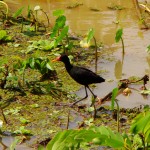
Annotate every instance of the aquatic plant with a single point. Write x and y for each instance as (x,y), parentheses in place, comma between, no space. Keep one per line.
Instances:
(104,136)
(4,37)
(118,37)
(113,101)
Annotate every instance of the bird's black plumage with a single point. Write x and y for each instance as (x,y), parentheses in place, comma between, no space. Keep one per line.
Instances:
(80,74)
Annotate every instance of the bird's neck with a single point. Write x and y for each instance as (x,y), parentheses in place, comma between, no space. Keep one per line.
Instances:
(68,66)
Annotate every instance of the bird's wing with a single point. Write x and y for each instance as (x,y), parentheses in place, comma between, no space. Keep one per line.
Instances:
(83,75)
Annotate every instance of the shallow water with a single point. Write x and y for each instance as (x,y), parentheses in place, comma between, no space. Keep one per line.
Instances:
(136,60)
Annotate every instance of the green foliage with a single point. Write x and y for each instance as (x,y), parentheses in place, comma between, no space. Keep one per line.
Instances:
(63,34)
(118,37)
(14,143)
(113,98)
(22,131)
(147,91)
(90,35)
(58,13)
(148,48)
(41,64)
(119,34)
(59,24)
(141,125)
(116,7)
(18,12)
(104,136)
(75,139)
(24,121)
(4,37)
(45,45)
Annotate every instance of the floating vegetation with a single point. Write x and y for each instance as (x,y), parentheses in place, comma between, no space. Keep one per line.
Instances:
(74,5)
(116,7)
(94,9)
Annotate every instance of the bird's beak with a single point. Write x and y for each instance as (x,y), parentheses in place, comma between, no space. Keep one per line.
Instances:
(57,59)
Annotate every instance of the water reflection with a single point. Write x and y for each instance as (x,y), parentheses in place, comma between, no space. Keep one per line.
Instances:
(119,68)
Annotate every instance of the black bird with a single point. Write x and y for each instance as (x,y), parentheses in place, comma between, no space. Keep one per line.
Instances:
(81,75)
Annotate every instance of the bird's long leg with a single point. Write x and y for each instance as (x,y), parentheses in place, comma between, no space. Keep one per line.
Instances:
(94,95)
(82,98)
(91,91)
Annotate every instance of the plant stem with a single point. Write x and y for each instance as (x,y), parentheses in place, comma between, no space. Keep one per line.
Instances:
(118,117)
(122,45)
(46,16)
(22,25)
(95,112)
(67,126)
(143,141)
(96,57)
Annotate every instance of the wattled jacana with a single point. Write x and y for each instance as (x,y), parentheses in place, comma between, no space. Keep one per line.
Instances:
(81,75)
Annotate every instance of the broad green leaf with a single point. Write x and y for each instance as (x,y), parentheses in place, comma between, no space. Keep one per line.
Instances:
(49,67)
(63,34)
(118,35)
(90,35)
(58,12)
(3,34)
(18,12)
(114,94)
(141,123)
(73,139)
(60,23)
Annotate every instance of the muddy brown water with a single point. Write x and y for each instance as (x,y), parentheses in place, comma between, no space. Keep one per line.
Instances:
(136,60)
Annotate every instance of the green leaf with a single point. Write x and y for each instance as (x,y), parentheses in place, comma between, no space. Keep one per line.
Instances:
(90,35)
(148,48)
(141,123)
(60,23)
(49,67)
(145,91)
(114,94)
(63,34)
(18,12)
(23,131)
(31,62)
(14,143)
(29,12)
(3,34)
(73,139)
(58,12)
(24,121)
(35,105)
(118,35)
